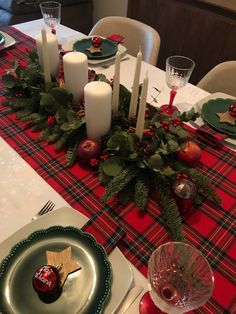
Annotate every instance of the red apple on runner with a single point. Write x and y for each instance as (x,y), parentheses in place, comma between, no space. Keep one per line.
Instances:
(190,153)
(88,149)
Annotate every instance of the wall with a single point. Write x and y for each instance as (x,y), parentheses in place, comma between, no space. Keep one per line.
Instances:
(104,8)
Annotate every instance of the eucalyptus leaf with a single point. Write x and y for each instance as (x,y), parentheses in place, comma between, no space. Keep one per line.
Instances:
(155,161)
(48,103)
(112,166)
(173,146)
(9,80)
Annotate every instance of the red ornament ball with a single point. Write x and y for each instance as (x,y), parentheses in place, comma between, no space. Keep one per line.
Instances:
(96,41)
(232,109)
(88,149)
(46,280)
(185,191)
(190,153)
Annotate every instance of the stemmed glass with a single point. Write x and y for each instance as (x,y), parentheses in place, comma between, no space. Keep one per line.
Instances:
(178,71)
(180,280)
(51,11)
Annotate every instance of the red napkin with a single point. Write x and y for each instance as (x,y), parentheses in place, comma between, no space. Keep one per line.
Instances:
(105,230)
(116,37)
(210,135)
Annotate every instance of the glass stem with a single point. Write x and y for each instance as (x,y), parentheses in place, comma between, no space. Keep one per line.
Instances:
(172,97)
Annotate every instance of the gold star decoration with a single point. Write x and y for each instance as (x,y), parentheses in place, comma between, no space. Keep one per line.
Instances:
(64,259)
(93,49)
(226,117)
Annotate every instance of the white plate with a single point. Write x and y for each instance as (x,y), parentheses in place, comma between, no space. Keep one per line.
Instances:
(122,49)
(122,275)
(9,41)
(198,106)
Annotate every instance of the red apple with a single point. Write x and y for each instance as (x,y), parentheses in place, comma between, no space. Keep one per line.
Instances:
(190,153)
(87,150)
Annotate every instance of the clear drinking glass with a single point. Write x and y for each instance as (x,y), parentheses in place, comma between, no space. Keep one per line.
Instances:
(180,280)
(51,12)
(178,71)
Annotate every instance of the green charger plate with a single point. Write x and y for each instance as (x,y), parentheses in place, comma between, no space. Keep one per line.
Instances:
(209,115)
(2,39)
(85,291)
(109,48)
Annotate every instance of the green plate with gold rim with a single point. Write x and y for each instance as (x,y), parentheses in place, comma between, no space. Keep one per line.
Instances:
(85,291)
(108,48)
(209,115)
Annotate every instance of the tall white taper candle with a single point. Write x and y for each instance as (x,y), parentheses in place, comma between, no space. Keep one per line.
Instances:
(75,73)
(52,51)
(135,87)
(142,108)
(97,99)
(116,84)
(45,56)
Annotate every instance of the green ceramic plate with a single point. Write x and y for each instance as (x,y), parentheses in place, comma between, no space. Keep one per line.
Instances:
(85,291)
(2,39)
(109,48)
(209,115)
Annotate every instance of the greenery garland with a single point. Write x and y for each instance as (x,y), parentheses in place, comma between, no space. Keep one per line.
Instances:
(129,167)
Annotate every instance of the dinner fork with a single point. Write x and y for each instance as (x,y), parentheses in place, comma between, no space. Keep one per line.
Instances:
(45,209)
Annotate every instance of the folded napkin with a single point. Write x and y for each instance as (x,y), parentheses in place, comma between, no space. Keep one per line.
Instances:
(105,230)
(116,37)
(210,136)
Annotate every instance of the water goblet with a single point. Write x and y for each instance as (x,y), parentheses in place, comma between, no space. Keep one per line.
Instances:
(180,280)
(51,12)
(178,71)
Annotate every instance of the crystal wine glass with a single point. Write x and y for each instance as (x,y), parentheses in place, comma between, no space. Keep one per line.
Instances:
(180,280)
(178,71)
(51,11)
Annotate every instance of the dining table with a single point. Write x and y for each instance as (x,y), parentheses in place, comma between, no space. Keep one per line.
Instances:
(32,173)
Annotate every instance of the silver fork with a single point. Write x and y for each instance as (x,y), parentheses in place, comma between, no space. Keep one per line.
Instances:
(45,209)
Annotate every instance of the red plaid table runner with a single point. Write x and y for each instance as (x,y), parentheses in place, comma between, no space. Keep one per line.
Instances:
(106,231)
(210,228)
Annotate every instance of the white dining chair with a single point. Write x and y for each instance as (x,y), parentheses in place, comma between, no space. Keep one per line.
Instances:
(137,35)
(222,78)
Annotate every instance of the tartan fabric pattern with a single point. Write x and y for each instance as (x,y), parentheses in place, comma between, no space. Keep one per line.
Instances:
(210,135)
(105,230)
(210,228)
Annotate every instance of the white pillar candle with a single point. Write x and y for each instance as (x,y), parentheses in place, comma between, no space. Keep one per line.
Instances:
(142,109)
(52,61)
(116,85)
(97,99)
(75,73)
(135,87)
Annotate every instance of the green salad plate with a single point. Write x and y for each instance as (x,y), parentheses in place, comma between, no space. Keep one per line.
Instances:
(209,115)
(108,48)
(85,291)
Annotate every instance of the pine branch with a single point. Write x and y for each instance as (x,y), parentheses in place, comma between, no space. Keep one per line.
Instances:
(71,155)
(119,182)
(202,183)
(141,192)
(169,208)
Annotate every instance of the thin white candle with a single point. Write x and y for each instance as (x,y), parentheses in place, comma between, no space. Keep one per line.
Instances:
(52,51)
(135,87)
(45,57)
(97,99)
(142,108)
(75,73)
(116,85)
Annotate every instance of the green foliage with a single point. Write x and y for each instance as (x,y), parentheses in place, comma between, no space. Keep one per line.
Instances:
(133,167)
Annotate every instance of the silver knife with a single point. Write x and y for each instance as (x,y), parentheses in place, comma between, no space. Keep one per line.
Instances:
(130,298)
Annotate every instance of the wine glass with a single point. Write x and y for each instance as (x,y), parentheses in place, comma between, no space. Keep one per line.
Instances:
(180,280)
(51,11)
(178,71)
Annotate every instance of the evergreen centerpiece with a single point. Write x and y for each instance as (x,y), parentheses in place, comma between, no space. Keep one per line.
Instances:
(129,167)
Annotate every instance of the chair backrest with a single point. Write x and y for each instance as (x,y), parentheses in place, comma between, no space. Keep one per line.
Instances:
(222,78)
(137,35)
